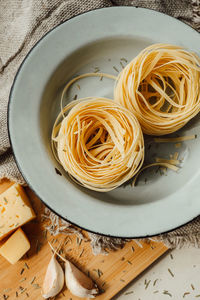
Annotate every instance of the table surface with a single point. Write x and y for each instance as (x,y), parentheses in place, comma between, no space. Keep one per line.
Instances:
(185,267)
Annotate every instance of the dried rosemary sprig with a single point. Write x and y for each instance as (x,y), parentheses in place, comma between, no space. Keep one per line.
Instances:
(170,272)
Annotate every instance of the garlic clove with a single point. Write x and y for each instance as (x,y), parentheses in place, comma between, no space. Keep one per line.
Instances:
(54,279)
(78,283)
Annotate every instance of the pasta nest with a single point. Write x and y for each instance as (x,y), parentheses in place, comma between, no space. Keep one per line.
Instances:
(161,86)
(98,142)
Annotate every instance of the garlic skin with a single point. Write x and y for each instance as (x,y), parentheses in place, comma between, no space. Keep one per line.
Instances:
(78,283)
(54,279)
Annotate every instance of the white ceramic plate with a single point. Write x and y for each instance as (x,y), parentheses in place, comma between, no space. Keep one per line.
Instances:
(99,39)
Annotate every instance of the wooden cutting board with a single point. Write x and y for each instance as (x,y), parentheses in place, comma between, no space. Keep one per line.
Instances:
(111,272)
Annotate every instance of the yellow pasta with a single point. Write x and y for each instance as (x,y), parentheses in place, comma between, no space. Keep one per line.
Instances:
(161,86)
(98,142)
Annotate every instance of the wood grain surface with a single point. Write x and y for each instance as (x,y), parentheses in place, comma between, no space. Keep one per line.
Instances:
(117,268)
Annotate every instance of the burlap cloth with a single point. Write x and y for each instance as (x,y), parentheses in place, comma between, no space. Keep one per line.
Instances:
(23,23)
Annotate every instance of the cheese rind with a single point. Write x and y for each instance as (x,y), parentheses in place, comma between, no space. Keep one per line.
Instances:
(15,210)
(15,247)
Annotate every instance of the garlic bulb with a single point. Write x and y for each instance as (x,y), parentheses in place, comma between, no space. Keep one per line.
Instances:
(78,283)
(54,279)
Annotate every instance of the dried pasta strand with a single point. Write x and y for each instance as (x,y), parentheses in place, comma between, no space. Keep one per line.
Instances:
(168,161)
(67,86)
(175,140)
(161,86)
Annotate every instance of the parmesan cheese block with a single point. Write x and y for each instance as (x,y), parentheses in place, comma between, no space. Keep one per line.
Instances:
(15,210)
(15,247)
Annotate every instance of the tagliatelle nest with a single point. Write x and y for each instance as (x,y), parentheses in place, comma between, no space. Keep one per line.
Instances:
(99,143)
(161,86)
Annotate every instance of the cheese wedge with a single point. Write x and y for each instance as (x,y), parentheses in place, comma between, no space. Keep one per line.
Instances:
(15,210)
(15,247)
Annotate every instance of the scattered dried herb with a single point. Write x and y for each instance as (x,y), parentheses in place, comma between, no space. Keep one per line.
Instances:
(101,78)
(155,281)
(16,293)
(147,284)
(33,279)
(23,279)
(22,271)
(192,286)
(170,272)
(81,253)
(124,59)
(78,86)
(155,292)
(88,273)
(103,284)
(115,69)
(122,280)
(167,293)
(24,290)
(171,256)
(5,200)
(123,258)
(25,264)
(122,65)
(58,172)
(96,70)
(133,249)
(100,273)
(5,297)
(27,294)
(128,293)
(75,97)
(185,294)
(129,262)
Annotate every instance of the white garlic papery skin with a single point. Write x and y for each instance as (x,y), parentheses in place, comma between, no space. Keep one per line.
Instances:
(78,283)
(54,279)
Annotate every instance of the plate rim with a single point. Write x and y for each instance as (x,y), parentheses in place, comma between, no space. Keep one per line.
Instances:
(9,131)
